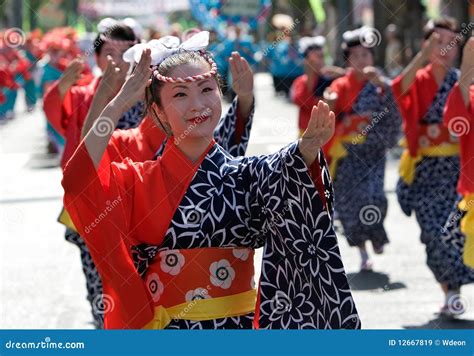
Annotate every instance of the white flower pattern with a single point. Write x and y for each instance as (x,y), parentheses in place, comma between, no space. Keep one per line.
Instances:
(197,294)
(222,274)
(155,286)
(241,253)
(171,262)
(433,131)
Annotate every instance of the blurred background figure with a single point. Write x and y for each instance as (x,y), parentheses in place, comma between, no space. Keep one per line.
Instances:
(239,40)
(393,52)
(309,88)
(368,125)
(284,59)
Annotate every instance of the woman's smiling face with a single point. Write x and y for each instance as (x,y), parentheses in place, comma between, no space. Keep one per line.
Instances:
(192,109)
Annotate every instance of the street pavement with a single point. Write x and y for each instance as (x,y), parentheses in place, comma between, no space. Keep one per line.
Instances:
(42,285)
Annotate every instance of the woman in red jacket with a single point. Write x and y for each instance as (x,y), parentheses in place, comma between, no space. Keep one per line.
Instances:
(308,88)
(454,262)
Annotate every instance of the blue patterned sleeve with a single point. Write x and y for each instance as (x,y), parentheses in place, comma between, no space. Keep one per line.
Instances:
(303,283)
(227,134)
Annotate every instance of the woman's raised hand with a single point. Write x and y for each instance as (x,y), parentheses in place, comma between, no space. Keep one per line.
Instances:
(133,90)
(242,76)
(320,129)
(71,75)
(466,78)
(112,80)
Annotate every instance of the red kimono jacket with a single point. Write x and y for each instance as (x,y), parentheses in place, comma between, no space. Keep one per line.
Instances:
(347,88)
(67,115)
(414,104)
(459,118)
(305,98)
(139,144)
(133,306)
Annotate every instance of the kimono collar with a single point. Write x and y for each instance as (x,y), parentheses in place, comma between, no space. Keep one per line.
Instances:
(176,161)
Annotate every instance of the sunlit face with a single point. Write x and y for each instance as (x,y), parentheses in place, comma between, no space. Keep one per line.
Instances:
(315,59)
(359,58)
(191,109)
(446,50)
(115,51)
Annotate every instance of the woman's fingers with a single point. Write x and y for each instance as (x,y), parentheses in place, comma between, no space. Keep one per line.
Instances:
(238,62)
(142,69)
(332,120)
(321,118)
(313,122)
(322,112)
(110,68)
(468,52)
(326,114)
(145,59)
(244,65)
(432,41)
(233,68)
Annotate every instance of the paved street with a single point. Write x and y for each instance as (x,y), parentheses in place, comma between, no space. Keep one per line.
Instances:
(42,285)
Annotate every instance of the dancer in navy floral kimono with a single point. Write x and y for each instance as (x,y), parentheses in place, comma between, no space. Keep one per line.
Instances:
(173,238)
(429,167)
(368,125)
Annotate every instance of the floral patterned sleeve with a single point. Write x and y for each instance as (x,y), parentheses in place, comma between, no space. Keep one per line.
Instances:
(303,282)
(233,131)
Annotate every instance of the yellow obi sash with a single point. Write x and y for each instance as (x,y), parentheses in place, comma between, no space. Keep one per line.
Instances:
(434,140)
(467,228)
(65,219)
(349,132)
(205,309)
(408,163)
(200,284)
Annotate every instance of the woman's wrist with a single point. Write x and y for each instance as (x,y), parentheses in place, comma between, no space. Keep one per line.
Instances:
(245,104)
(309,149)
(465,80)
(121,102)
(64,84)
(114,109)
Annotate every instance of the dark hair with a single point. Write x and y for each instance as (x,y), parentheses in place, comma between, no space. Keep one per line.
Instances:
(447,23)
(346,49)
(117,32)
(311,48)
(353,41)
(152,93)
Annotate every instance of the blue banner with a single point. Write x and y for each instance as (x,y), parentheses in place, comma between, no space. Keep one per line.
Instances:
(236,342)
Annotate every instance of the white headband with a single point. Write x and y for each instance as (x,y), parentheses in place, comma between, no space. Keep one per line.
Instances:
(107,24)
(305,42)
(166,47)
